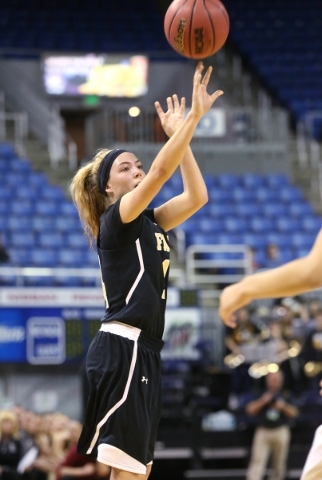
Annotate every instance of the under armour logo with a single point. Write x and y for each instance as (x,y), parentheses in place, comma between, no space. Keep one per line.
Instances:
(144,380)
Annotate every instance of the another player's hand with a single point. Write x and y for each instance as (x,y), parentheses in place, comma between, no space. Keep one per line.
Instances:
(174,116)
(232,298)
(202,101)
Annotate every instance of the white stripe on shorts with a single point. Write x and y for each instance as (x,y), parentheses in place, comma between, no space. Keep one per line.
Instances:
(132,333)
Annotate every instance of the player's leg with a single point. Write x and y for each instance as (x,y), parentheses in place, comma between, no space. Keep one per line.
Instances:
(313,466)
(123,475)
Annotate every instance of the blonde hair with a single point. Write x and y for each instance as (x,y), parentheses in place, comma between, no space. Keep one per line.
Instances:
(9,415)
(89,202)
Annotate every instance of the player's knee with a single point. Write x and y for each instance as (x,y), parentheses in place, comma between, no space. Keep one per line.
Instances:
(124,475)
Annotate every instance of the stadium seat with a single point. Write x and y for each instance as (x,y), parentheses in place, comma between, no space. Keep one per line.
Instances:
(77,240)
(22,240)
(68,208)
(44,257)
(248,209)
(261,224)
(254,240)
(241,194)
(19,223)
(47,207)
(71,257)
(227,180)
(27,207)
(6,193)
(52,193)
(287,224)
(19,256)
(236,225)
(210,225)
(7,151)
(220,209)
(68,224)
(300,209)
(41,223)
(274,209)
(252,180)
(311,224)
(51,240)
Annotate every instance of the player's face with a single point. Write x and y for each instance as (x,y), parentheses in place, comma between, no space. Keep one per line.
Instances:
(125,175)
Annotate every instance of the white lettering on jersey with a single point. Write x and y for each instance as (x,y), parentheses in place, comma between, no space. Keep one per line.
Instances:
(161,242)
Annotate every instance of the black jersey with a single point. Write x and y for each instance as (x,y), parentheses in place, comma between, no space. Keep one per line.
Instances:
(134,260)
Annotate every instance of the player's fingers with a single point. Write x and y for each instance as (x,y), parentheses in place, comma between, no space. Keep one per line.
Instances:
(217,94)
(169,103)
(175,102)
(158,108)
(207,76)
(183,104)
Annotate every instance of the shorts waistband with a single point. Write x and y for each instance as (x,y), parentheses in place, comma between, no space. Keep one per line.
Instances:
(133,333)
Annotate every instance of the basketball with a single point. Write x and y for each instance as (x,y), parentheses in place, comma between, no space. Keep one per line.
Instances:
(196,28)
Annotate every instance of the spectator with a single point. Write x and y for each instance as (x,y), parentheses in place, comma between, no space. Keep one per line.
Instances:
(75,464)
(273,256)
(10,447)
(312,351)
(4,255)
(245,333)
(272,435)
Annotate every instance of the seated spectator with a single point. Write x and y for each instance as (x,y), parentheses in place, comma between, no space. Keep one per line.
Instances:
(10,447)
(245,333)
(4,255)
(77,465)
(274,410)
(273,256)
(312,350)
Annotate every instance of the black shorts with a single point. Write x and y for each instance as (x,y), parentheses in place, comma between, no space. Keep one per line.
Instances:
(124,406)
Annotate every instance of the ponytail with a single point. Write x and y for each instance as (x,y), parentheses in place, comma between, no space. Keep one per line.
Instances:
(90,203)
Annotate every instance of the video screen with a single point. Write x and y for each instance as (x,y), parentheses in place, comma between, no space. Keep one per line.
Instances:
(91,74)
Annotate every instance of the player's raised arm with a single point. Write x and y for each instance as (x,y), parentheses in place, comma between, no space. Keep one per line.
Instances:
(169,157)
(292,278)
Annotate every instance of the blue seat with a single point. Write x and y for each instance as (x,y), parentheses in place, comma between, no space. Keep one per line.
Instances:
(229,239)
(7,151)
(47,207)
(71,257)
(274,209)
(4,223)
(19,223)
(300,209)
(27,207)
(68,223)
(22,240)
(290,194)
(221,209)
(19,256)
(254,240)
(261,224)
(220,195)
(210,225)
(265,194)
(276,180)
(5,206)
(282,240)
(37,180)
(77,240)
(68,208)
(190,225)
(200,239)
(91,258)
(241,194)
(311,224)
(227,180)
(44,257)
(302,240)
(236,225)
(6,193)
(51,240)
(52,193)
(252,180)
(26,193)
(20,165)
(287,224)
(41,223)
(248,209)
(16,180)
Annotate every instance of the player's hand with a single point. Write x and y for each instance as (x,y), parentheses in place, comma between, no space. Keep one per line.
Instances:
(202,101)
(231,299)
(174,116)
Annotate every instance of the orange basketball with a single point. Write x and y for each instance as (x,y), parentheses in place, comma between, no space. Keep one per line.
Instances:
(196,28)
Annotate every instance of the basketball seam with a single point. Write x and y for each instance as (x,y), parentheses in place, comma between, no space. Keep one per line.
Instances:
(190,27)
(223,11)
(212,27)
(173,19)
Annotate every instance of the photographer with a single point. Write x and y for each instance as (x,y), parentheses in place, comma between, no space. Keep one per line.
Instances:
(272,435)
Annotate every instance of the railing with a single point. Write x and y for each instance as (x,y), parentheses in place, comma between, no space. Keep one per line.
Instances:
(60,145)
(14,127)
(309,151)
(200,270)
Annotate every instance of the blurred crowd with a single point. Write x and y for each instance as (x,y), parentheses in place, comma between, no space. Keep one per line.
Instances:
(284,335)
(43,447)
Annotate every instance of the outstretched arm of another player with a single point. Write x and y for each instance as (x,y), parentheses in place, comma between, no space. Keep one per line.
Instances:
(293,278)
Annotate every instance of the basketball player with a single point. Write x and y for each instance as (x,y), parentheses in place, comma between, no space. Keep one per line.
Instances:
(293,278)
(112,194)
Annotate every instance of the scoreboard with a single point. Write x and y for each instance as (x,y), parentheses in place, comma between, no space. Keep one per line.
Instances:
(47,326)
